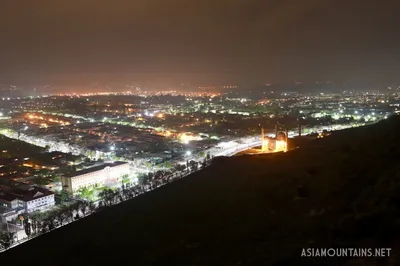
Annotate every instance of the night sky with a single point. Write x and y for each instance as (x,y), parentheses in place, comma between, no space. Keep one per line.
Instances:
(201,42)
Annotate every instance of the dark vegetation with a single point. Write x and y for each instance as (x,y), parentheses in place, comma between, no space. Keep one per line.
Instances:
(340,191)
(11,148)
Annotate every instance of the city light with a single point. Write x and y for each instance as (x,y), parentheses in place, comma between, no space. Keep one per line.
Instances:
(226,145)
(136,137)
(273,145)
(280,146)
(185,138)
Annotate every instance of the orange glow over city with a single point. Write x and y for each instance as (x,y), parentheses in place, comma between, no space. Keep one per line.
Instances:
(35,117)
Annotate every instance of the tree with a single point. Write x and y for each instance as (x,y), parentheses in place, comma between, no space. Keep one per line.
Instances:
(57,179)
(6,239)
(194,166)
(167,164)
(143,179)
(27,227)
(125,179)
(107,195)
(86,193)
(204,164)
(35,219)
(83,208)
(61,216)
(42,181)
(179,168)
(48,223)
(69,210)
(92,207)
(65,196)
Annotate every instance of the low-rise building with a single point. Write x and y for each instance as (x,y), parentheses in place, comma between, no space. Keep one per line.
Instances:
(38,199)
(16,200)
(105,174)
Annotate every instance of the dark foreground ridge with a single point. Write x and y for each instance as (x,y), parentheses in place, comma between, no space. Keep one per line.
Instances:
(341,191)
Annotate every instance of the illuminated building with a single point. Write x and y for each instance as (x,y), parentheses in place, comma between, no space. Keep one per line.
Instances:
(105,174)
(24,199)
(277,144)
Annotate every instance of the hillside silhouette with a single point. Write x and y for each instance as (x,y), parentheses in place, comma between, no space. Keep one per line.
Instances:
(340,191)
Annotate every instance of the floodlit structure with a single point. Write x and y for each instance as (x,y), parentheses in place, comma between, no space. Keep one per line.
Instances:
(277,144)
(105,174)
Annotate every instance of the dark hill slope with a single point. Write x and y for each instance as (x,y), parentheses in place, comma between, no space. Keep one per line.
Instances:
(342,191)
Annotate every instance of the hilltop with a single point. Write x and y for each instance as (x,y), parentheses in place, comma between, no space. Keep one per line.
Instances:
(340,191)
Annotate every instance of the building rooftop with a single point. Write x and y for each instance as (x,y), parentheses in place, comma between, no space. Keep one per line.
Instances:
(95,169)
(11,193)
(4,196)
(34,193)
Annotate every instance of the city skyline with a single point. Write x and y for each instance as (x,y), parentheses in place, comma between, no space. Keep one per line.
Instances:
(199,132)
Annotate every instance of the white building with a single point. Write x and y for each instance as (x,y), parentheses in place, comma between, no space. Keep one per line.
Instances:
(18,200)
(38,199)
(105,174)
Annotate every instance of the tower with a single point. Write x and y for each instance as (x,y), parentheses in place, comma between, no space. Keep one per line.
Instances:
(264,142)
(286,140)
(299,120)
(262,135)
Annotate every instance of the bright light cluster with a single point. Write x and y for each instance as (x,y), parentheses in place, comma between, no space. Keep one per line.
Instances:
(280,146)
(226,145)
(33,117)
(273,145)
(187,137)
